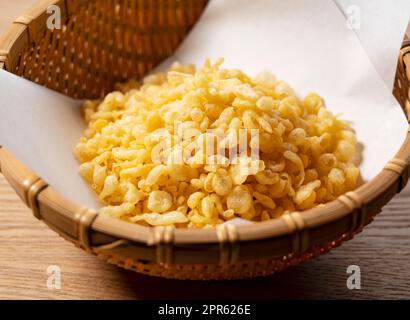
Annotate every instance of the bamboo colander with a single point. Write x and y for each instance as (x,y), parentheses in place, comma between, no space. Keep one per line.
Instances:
(107,41)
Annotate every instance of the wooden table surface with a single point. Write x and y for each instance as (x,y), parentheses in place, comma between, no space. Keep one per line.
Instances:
(28,247)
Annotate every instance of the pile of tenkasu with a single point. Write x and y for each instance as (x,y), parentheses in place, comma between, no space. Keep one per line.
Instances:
(197,148)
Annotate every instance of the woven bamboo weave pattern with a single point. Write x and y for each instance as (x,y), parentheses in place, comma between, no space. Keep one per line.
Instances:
(102,43)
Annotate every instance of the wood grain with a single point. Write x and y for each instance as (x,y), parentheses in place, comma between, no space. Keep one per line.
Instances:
(28,247)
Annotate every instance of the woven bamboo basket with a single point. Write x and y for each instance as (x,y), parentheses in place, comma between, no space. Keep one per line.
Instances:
(135,35)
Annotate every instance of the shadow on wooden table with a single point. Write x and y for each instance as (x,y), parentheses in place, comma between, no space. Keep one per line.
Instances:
(307,281)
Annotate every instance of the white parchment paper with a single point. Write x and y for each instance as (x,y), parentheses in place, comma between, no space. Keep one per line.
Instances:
(304,42)
(379,24)
(40,127)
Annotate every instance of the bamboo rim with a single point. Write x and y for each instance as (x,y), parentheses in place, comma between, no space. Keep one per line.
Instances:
(225,245)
